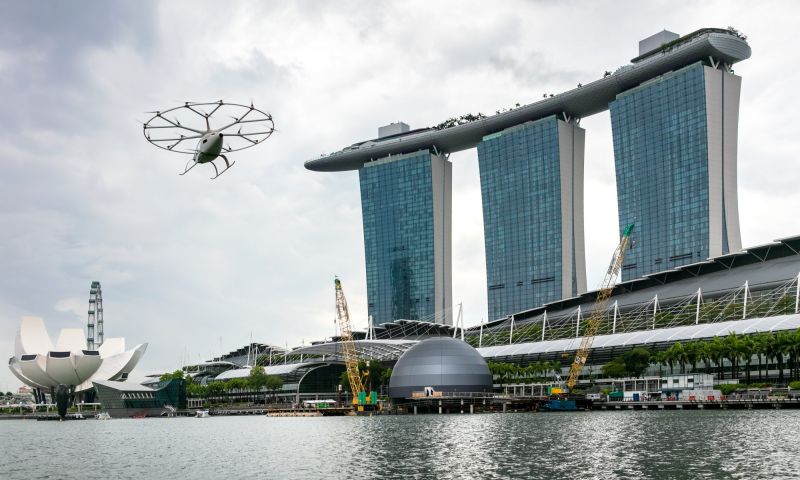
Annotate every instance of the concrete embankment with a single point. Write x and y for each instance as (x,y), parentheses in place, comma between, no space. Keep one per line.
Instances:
(748,404)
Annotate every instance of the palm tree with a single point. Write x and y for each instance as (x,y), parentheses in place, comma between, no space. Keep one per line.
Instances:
(760,344)
(716,350)
(680,356)
(777,350)
(704,354)
(746,349)
(669,358)
(659,358)
(540,368)
(692,350)
(784,342)
(793,349)
(731,352)
(555,367)
(530,372)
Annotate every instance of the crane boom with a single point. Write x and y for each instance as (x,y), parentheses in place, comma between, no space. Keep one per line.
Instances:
(593,323)
(348,344)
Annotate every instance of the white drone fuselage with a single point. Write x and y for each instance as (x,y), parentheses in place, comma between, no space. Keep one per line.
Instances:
(209,147)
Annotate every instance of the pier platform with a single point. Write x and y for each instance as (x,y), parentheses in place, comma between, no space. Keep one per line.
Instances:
(734,404)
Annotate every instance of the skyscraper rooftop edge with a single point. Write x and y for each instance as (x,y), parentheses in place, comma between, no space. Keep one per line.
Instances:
(726,46)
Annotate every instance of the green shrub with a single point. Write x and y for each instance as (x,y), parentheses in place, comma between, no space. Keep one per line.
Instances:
(728,388)
(795,385)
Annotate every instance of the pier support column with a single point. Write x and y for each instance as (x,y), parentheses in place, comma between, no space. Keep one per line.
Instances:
(471,408)
(415,409)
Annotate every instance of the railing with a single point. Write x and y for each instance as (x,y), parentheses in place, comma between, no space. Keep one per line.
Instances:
(746,301)
(437,395)
(687,39)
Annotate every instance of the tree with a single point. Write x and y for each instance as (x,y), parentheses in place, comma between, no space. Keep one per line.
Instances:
(171,376)
(745,349)
(716,350)
(669,359)
(257,378)
(659,358)
(704,353)
(377,374)
(776,350)
(693,353)
(215,389)
(237,385)
(760,345)
(731,352)
(636,361)
(344,381)
(614,368)
(273,384)
(679,355)
(553,366)
(197,390)
(793,349)
(374,374)
(503,370)
(386,376)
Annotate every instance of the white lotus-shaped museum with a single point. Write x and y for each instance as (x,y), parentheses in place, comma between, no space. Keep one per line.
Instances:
(39,364)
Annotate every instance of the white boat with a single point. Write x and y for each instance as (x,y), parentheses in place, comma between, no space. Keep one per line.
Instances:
(103,416)
(201,414)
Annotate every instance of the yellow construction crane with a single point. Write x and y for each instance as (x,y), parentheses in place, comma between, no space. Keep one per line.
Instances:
(593,323)
(348,344)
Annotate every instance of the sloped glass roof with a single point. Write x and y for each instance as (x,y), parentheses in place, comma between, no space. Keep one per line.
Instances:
(648,337)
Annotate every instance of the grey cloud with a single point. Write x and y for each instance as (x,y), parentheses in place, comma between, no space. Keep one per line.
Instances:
(184,260)
(49,42)
(255,69)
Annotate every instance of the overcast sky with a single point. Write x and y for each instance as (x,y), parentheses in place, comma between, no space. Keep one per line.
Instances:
(194,266)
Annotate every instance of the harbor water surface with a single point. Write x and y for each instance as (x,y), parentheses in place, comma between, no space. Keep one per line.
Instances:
(619,444)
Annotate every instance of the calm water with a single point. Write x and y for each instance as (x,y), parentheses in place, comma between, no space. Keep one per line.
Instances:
(673,444)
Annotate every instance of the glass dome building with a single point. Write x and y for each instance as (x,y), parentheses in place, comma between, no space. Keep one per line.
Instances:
(443,363)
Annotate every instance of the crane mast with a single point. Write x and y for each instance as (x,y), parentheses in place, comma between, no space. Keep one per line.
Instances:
(347,342)
(593,323)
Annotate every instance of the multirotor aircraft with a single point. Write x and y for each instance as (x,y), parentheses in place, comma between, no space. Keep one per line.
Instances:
(174,129)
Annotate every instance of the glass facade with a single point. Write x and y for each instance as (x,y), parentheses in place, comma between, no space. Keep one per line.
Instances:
(405,202)
(528,229)
(661,150)
(120,396)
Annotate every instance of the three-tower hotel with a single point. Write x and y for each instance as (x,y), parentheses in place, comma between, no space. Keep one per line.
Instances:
(674,117)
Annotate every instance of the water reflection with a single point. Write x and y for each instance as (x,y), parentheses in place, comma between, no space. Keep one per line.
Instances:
(640,444)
